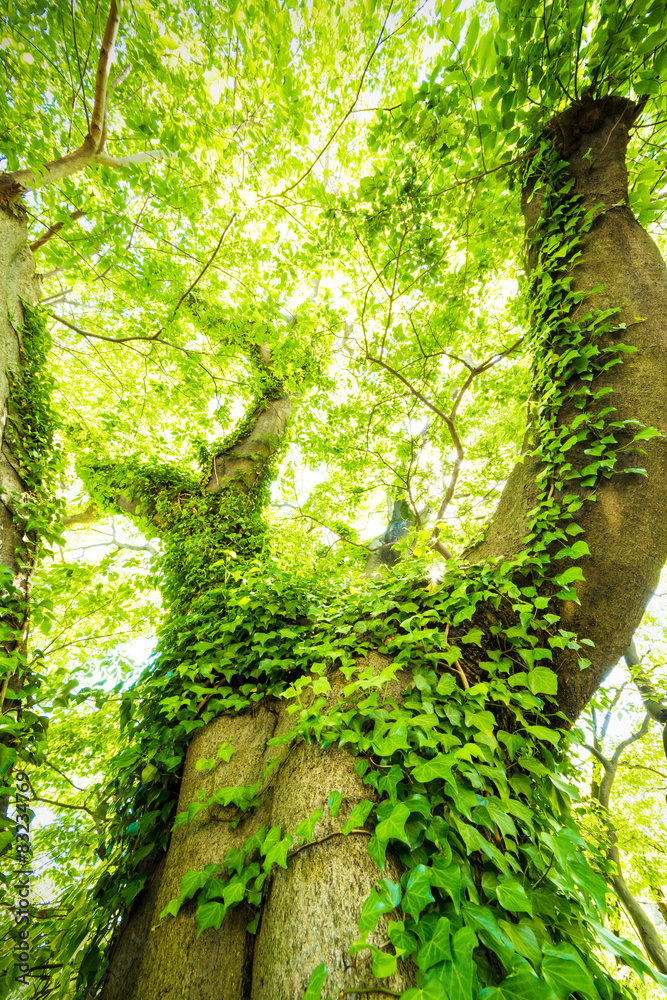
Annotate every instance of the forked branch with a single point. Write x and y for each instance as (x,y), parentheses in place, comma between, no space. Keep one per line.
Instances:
(14,185)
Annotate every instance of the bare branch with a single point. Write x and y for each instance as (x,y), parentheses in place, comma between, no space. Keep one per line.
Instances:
(97,121)
(204,268)
(379,42)
(74,217)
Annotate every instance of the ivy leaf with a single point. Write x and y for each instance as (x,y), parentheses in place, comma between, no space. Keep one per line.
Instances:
(481,919)
(193,881)
(210,915)
(542,680)
(565,976)
(393,827)
(570,574)
(447,877)
(436,949)
(512,896)
(277,854)
(456,976)
(439,767)
(358,816)
(380,901)
(474,635)
(484,721)
(524,941)
(403,941)
(383,964)
(417,892)
(306,826)
(523,985)
(334,801)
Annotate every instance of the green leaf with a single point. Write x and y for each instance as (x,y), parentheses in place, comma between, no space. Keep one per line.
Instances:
(523,985)
(306,826)
(417,892)
(334,800)
(439,767)
(358,816)
(403,941)
(542,680)
(512,896)
(393,827)
(484,721)
(565,975)
(570,574)
(277,854)
(379,902)
(448,878)
(456,976)
(436,948)
(383,964)
(210,915)
(148,773)
(316,982)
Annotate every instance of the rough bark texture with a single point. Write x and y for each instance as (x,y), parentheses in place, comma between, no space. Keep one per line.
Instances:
(18,284)
(241,466)
(313,907)
(626,529)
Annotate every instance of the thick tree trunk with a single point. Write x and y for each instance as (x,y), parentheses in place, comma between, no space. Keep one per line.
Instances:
(18,284)
(626,528)
(313,907)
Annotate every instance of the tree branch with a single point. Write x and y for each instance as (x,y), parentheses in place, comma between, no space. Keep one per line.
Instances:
(98,119)
(645,928)
(204,268)
(53,230)
(87,516)
(14,185)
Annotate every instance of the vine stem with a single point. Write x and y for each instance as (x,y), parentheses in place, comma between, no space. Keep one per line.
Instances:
(322,840)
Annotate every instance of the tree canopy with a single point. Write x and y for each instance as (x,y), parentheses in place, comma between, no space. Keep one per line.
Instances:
(337,263)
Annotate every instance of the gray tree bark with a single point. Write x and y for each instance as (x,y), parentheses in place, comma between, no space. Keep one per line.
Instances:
(18,284)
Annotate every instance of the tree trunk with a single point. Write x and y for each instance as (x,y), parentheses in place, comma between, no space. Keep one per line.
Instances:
(626,528)
(18,285)
(313,907)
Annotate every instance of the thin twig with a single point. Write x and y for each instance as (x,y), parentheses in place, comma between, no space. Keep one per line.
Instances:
(347,114)
(204,268)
